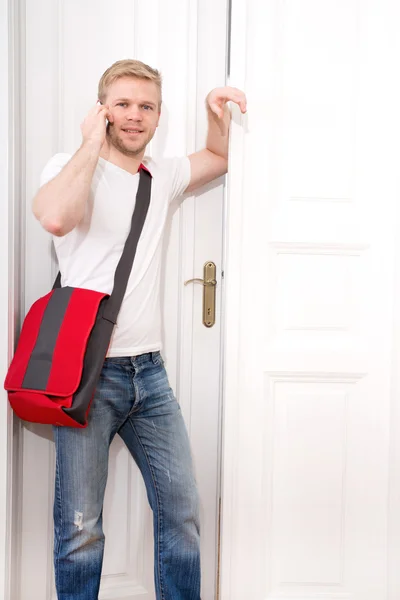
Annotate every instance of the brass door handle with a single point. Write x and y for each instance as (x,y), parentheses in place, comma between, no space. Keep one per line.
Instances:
(209,284)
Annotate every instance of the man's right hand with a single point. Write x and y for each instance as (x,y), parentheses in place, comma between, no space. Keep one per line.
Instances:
(94,126)
(60,204)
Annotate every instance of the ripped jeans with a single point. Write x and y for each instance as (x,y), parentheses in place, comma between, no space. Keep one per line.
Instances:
(133,399)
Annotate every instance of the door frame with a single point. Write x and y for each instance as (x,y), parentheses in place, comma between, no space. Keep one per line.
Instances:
(12,251)
(6,299)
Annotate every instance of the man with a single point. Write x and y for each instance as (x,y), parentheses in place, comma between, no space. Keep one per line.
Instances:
(86,201)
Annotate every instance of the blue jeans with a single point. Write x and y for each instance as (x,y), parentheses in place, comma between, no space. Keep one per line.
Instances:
(133,399)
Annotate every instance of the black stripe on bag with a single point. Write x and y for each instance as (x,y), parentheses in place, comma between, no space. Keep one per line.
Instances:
(39,366)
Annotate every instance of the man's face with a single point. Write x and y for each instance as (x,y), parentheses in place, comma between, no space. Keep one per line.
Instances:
(135,108)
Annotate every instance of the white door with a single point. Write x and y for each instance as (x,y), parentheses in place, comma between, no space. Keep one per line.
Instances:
(68,46)
(312,226)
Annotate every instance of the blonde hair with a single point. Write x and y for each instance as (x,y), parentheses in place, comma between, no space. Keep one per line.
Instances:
(128,68)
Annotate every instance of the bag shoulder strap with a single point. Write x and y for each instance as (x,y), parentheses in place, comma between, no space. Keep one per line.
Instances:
(125,263)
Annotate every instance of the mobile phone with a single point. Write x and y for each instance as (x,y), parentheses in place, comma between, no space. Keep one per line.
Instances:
(107,121)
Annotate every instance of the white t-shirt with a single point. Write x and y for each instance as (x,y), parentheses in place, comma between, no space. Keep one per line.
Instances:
(89,254)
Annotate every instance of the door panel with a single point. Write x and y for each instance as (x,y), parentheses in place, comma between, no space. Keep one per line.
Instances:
(310,287)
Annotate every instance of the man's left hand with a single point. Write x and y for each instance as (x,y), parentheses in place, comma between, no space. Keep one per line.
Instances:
(217,99)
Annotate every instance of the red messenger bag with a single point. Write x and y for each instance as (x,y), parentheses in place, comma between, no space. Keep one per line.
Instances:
(65,338)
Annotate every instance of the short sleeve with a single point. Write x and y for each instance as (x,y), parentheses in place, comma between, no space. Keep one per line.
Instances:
(53,167)
(179,176)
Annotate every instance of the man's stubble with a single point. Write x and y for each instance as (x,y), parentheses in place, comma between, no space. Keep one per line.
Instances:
(119,145)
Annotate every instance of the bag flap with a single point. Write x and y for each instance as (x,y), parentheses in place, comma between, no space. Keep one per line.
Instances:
(51,347)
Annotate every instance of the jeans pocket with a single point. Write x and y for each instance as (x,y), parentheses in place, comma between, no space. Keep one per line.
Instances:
(157,359)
